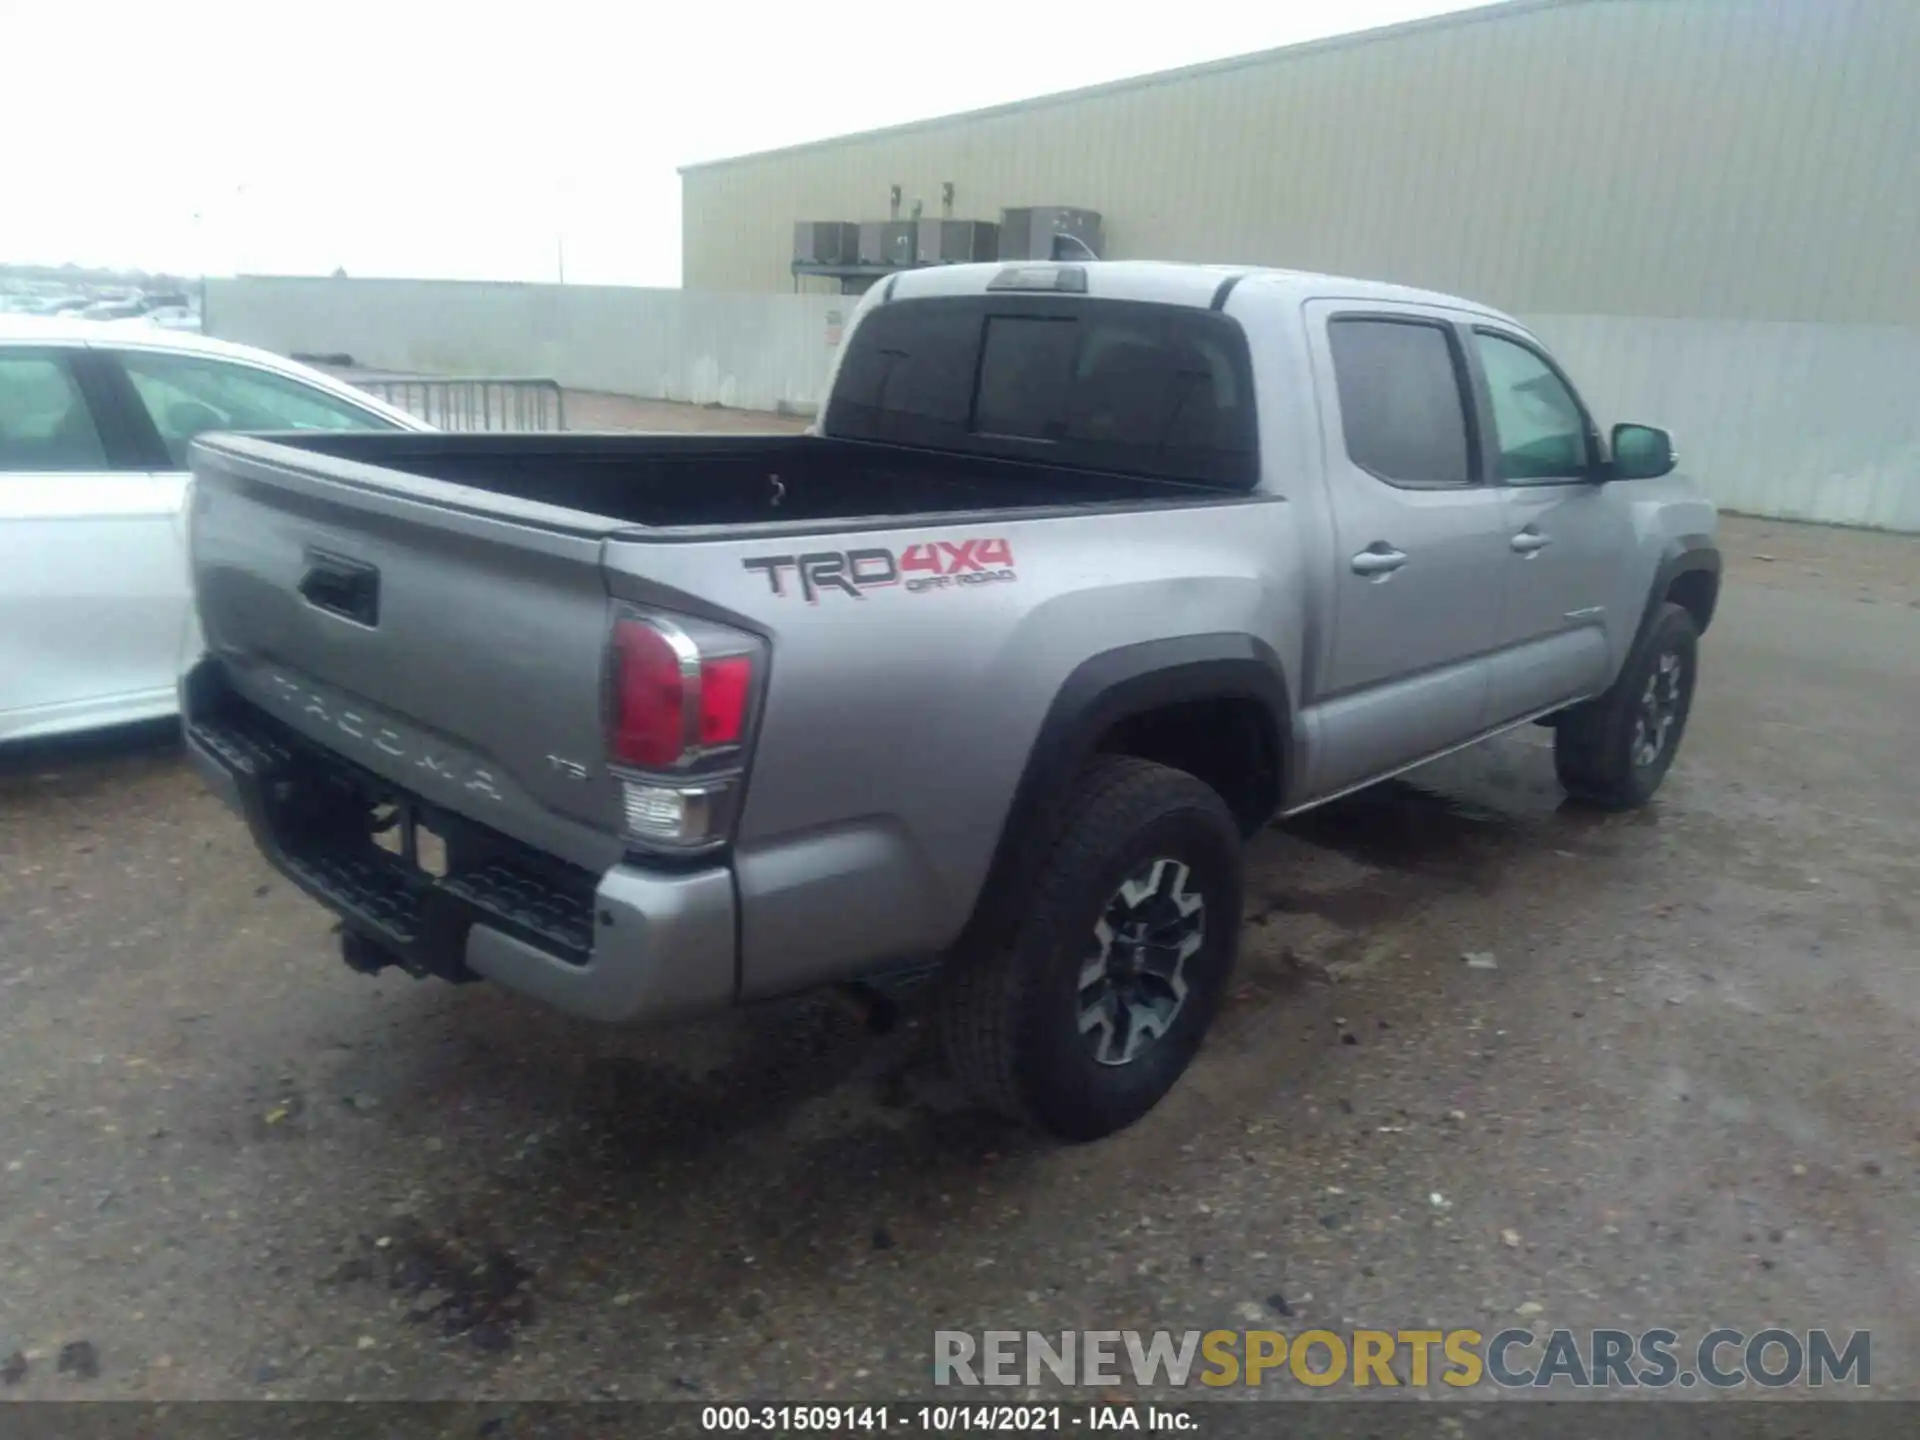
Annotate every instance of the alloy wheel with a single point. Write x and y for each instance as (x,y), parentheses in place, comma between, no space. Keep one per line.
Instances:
(1133,976)
(1658,715)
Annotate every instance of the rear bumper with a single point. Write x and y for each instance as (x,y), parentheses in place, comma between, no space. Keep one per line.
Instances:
(630,944)
(664,946)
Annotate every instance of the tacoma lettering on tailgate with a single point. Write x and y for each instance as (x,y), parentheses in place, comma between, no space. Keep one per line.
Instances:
(930,565)
(361,728)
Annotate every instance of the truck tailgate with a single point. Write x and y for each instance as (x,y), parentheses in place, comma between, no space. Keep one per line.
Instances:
(449,641)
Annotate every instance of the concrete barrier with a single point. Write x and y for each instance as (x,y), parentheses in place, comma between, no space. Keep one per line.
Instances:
(752,352)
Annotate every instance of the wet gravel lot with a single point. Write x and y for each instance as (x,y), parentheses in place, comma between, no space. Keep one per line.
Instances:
(1683,1093)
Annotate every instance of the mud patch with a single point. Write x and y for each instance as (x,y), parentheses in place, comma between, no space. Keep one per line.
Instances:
(462,1284)
(764,1065)
(1398,826)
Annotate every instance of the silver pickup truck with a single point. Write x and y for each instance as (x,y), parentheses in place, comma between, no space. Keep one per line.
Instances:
(1085,573)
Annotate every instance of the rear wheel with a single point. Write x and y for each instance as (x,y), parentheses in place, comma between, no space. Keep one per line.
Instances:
(1117,961)
(1616,749)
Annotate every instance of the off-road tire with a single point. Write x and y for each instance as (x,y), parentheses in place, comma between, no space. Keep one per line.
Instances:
(1008,1013)
(1594,744)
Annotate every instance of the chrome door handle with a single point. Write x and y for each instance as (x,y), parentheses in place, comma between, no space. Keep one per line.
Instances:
(1378,562)
(1529,541)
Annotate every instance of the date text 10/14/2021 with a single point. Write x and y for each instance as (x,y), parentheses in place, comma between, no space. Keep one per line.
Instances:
(945,1419)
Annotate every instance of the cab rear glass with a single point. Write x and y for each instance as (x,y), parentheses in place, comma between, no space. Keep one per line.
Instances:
(1123,386)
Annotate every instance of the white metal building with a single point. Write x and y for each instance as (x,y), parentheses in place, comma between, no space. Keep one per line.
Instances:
(1712,207)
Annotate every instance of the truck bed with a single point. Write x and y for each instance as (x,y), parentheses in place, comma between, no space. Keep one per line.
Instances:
(440,613)
(435,607)
(663,481)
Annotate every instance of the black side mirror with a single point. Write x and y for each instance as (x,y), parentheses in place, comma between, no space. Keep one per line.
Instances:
(1641,452)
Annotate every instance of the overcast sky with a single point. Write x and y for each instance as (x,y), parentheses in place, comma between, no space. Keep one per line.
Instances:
(425,137)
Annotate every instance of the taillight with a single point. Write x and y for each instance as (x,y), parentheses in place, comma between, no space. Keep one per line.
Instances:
(724,688)
(682,702)
(649,695)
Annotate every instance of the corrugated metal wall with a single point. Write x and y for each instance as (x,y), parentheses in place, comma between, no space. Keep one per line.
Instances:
(1724,159)
(1798,421)
(1712,207)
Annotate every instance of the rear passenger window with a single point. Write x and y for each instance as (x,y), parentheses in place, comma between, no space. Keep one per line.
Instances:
(1143,389)
(44,420)
(1402,404)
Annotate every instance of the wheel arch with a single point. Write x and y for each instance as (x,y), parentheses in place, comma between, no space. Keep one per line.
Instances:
(1108,703)
(1689,576)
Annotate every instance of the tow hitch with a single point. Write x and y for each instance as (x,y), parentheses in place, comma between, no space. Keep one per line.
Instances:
(365,955)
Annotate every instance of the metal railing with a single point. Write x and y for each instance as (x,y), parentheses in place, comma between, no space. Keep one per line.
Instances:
(473,402)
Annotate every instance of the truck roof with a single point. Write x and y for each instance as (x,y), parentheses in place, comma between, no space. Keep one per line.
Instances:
(1174,283)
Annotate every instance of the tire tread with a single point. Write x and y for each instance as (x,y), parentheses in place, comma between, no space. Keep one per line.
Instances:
(980,1004)
(1591,741)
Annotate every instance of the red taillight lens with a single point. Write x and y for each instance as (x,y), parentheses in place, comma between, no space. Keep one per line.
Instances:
(653,668)
(649,722)
(724,685)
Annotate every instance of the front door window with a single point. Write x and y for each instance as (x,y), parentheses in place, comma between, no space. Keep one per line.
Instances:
(1542,436)
(185,395)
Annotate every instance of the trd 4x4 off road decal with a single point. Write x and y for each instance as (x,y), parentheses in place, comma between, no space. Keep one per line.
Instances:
(934,565)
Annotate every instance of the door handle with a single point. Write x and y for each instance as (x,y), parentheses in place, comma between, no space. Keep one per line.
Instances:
(1529,542)
(1378,560)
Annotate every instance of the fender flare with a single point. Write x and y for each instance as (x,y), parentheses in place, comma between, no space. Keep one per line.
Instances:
(1102,691)
(1684,554)
(1681,555)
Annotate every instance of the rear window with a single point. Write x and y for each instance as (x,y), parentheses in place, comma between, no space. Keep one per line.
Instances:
(1140,389)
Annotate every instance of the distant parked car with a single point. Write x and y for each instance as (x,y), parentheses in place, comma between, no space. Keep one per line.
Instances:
(113,310)
(172,317)
(94,426)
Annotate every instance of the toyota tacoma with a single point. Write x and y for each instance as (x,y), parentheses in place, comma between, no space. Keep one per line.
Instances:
(1083,574)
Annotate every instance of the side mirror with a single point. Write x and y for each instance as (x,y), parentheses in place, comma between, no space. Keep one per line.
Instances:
(1641,452)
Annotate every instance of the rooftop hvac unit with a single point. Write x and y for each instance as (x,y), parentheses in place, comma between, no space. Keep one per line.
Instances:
(826,242)
(887,242)
(956,242)
(1028,233)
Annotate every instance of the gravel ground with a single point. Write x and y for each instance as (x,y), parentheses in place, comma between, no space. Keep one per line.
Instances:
(1682,1096)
